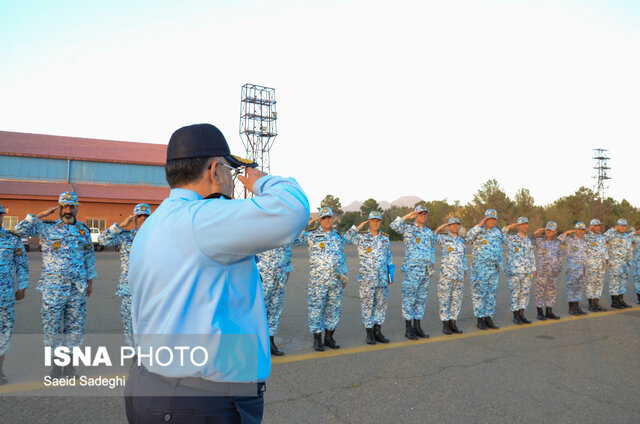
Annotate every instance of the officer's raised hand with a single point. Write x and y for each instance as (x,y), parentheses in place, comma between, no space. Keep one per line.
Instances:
(252,175)
(411,215)
(127,221)
(362,224)
(46,212)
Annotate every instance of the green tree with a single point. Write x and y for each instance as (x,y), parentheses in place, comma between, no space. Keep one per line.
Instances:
(334,204)
(368,206)
(491,196)
(349,219)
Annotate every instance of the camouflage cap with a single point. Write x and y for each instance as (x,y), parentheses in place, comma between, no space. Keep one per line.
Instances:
(622,221)
(523,220)
(68,198)
(421,208)
(453,220)
(595,221)
(142,209)
(325,211)
(551,226)
(580,226)
(491,213)
(375,215)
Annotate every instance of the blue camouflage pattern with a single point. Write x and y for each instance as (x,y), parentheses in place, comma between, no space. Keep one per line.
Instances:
(114,236)
(597,261)
(419,257)
(14,275)
(576,266)
(68,261)
(453,265)
(620,258)
(273,266)
(549,266)
(327,262)
(374,253)
(521,263)
(635,239)
(486,256)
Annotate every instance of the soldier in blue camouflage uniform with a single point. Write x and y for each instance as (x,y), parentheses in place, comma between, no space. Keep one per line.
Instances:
(485,269)
(520,269)
(327,278)
(620,257)
(419,258)
(14,272)
(576,266)
(597,262)
(453,266)
(374,274)
(68,268)
(635,238)
(117,236)
(549,264)
(274,266)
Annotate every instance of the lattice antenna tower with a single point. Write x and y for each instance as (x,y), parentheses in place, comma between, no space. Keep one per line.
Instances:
(601,156)
(258,125)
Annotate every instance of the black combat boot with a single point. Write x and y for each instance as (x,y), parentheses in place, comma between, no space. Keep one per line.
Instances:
(596,303)
(541,316)
(454,327)
(3,379)
(615,303)
(580,311)
(377,333)
(573,308)
(70,371)
(638,301)
(550,314)
(516,318)
(408,330)
(446,327)
(274,348)
(490,323)
(370,337)
(329,341)
(622,302)
(481,323)
(592,307)
(317,342)
(523,318)
(418,330)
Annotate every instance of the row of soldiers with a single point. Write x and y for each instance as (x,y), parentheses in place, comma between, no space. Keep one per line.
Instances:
(68,269)
(530,260)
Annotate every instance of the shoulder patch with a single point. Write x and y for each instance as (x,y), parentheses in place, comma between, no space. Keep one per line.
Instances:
(384,233)
(363,231)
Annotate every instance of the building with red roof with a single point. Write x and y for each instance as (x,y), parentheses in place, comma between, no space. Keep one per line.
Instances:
(109,177)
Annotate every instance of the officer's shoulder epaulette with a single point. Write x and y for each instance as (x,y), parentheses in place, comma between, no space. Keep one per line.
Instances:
(82,224)
(314,227)
(363,231)
(384,233)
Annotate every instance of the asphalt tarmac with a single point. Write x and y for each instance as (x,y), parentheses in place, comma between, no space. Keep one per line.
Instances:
(579,369)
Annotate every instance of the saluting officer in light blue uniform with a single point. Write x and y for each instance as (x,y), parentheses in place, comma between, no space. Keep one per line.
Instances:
(419,258)
(374,274)
(635,238)
(327,278)
(68,268)
(597,262)
(520,269)
(549,264)
(620,257)
(274,266)
(453,266)
(14,280)
(117,236)
(576,266)
(487,253)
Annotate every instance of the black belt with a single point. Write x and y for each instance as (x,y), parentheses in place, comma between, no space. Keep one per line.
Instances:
(227,389)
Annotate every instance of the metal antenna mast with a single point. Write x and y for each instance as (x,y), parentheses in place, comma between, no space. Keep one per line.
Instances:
(258,126)
(602,157)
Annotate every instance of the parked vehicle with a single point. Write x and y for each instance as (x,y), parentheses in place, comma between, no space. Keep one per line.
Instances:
(95,233)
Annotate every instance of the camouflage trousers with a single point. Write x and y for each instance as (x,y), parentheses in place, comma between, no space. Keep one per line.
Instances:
(618,278)
(7,315)
(325,304)
(273,292)
(450,292)
(636,276)
(125,313)
(415,288)
(519,286)
(595,280)
(575,284)
(63,318)
(373,304)
(546,290)
(484,287)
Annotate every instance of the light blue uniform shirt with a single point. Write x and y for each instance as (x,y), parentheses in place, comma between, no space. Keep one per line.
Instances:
(193,272)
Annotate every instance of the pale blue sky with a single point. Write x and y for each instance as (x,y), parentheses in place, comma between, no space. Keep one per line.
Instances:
(375,98)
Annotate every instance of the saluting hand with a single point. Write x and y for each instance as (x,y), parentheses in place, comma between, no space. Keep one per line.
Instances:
(361,226)
(248,180)
(127,221)
(46,212)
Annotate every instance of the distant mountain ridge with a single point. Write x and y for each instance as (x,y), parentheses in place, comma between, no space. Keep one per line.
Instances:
(409,201)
